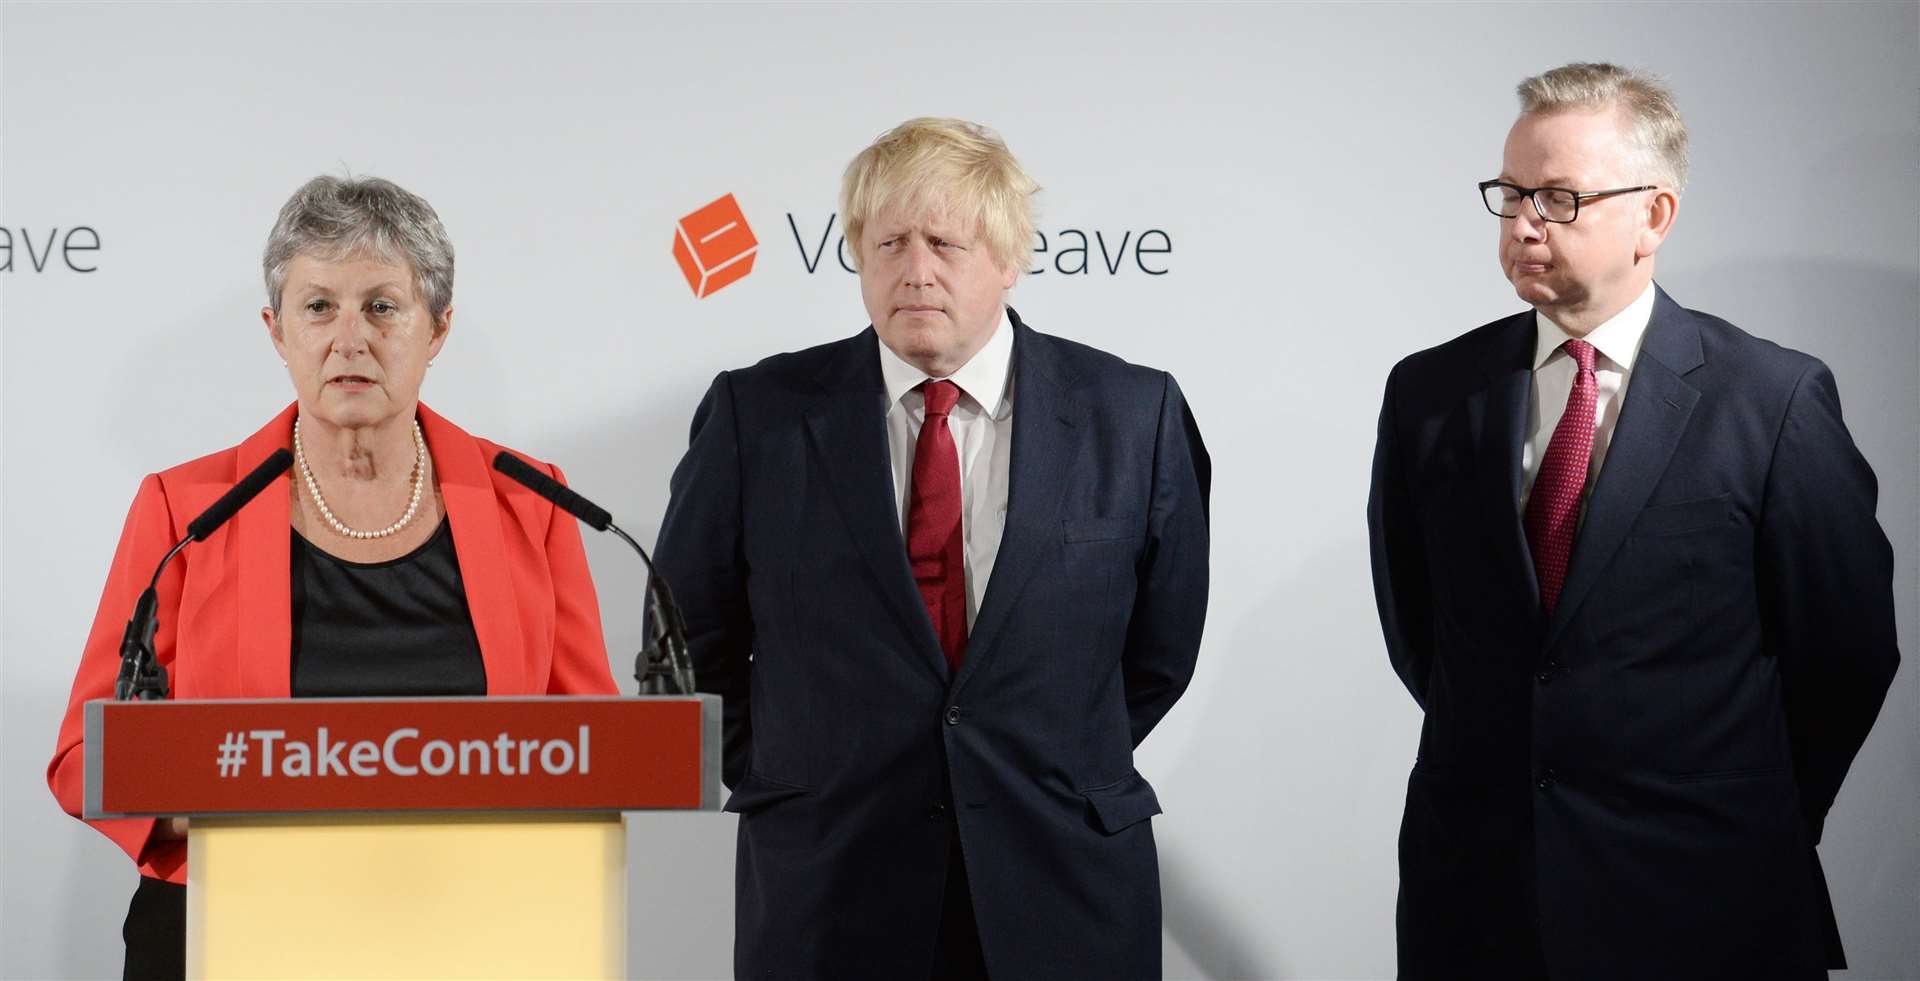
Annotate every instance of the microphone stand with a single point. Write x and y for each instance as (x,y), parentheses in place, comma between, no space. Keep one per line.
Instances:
(663,667)
(141,676)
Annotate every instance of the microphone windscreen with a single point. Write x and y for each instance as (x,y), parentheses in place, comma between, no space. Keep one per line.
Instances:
(237,497)
(562,496)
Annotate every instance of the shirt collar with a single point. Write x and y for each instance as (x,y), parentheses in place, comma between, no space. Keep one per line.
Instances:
(983,378)
(1618,339)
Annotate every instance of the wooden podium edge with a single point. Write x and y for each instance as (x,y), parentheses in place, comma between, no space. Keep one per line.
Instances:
(710,719)
(90,777)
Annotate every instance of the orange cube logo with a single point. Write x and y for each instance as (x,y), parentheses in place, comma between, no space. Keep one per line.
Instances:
(714,246)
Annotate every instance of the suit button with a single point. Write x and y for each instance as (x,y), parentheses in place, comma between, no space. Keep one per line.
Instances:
(1544,677)
(953,715)
(1546,780)
(938,812)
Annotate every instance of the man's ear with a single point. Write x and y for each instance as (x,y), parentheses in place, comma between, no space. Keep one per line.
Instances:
(1663,206)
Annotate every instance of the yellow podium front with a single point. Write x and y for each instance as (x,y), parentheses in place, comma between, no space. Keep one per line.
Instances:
(418,896)
(404,838)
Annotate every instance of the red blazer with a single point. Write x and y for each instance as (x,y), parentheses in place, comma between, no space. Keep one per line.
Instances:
(225,614)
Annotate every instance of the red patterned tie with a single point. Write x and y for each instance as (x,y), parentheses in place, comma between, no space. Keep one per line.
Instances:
(1553,512)
(934,546)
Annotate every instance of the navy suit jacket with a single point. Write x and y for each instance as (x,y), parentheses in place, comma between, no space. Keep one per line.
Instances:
(1640,779)
(853,757)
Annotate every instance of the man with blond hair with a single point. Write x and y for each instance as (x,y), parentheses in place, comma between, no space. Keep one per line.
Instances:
(947,573)
(1627,563)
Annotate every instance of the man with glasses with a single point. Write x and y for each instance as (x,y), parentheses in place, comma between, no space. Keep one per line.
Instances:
(1627,563)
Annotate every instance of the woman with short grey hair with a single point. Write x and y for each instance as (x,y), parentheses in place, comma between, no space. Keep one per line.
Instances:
(393,561)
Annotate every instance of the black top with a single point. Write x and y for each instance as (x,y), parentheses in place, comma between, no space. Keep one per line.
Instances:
(400,627)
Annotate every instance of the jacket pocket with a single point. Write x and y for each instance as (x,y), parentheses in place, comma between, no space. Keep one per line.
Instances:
(1123,803)
(757,793)
(1100,529)
(1682,517)
(1717,776)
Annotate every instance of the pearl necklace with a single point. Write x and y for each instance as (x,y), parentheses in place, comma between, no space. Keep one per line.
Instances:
(413,503)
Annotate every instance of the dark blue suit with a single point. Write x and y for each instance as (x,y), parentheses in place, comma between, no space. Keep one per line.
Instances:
(1633,787)
(854,758)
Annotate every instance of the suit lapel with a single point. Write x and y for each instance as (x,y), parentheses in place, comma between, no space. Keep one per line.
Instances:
(848,427)
(260,552)
(1039,462)
(466,488)
(1500,420)
(1658,403)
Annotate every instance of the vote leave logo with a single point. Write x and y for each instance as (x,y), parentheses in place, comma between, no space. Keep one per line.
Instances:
(714,246)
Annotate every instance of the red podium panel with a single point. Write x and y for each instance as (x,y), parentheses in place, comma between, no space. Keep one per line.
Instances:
(265,756)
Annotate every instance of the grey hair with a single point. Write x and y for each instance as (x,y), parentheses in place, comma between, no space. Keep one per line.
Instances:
(335,218)
(1657,135)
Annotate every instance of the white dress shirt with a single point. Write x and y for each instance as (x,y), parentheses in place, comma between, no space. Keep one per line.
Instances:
(1617,343)
(982,427)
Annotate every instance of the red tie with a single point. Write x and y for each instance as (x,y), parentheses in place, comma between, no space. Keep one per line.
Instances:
(1553,512)
(934,546)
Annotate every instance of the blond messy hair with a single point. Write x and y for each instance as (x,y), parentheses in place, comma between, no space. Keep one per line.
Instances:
(960,168)
(1655,132)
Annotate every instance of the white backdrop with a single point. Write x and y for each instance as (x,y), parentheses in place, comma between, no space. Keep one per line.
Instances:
(1312,167)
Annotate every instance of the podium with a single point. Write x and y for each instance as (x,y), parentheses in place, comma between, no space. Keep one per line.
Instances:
(389,837)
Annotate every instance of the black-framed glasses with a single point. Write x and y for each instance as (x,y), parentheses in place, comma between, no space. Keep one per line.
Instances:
(1559,205)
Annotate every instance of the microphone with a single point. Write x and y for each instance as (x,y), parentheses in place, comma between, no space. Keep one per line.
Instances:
(665,660)
(236,498)
(560,494)
(141,676)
